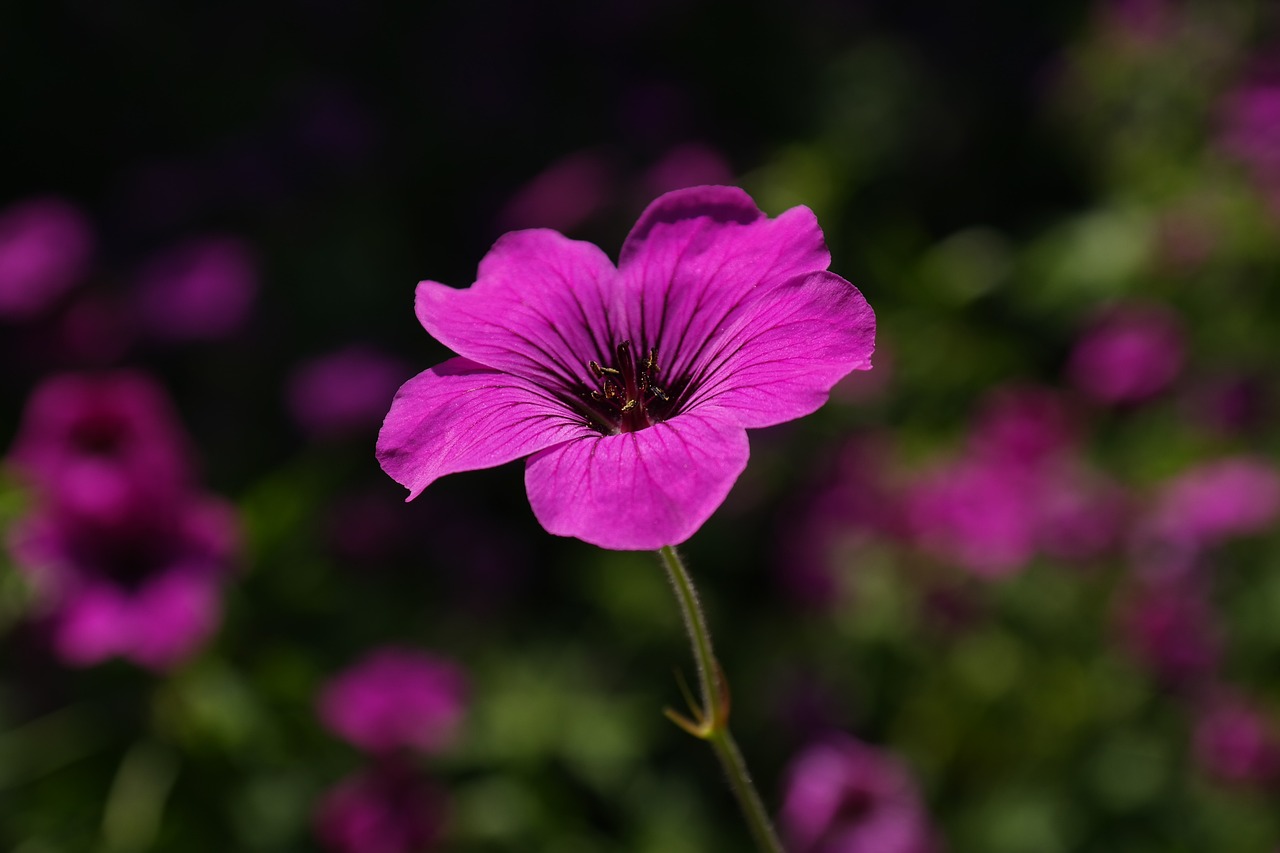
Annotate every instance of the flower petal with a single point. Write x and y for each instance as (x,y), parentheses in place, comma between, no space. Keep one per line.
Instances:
(540,308)
(462,416)
(695,254)
(92,625)
(637,490)
(783,351)
(173,615)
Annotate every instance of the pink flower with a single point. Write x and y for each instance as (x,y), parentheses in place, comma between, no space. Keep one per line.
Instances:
(1128,354)
(144,589)
(344,392)
(1018,489)
(389,808)
(1222,499)
(844,796)
(630,388)
(396,698)
(1080,514)
(1235,742)
(688,165)
(201,290)
(1228,405)
(568,193)
(45,244)
(104,448)
(126,556)
(976,513)
(1023,425)
(1170,627)
(1250,129)
(1205,506)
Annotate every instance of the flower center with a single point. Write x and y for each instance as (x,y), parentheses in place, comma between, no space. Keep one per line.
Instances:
(628,397)
(101,435)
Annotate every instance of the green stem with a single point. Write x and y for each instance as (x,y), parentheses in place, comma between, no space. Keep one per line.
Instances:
(713,717)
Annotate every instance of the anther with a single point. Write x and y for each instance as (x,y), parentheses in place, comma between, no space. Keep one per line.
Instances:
(629,390)
(599,371)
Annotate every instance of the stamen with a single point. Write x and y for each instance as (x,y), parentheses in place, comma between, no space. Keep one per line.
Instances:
(628,392)
(600,371)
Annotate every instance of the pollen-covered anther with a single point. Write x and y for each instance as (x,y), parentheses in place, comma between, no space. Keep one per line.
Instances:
(628,391)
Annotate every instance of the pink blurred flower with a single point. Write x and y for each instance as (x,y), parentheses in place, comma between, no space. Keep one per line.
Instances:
(203,289)
(344,392)
(1229,405)
(45,247)
(1080,513)
(1170,627)
(396,698)
(992,516)
(1023,425)
(975,513)
(1206,505)
(1019,488)
(103,448)
(1235,742)
(690,165)
(1250,128)
(844,796)
(144,589)
(1218,500)
(1128,354)
(388,808)
(563,196)
(126,556)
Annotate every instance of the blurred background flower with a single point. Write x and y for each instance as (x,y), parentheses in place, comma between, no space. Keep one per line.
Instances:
(45,246)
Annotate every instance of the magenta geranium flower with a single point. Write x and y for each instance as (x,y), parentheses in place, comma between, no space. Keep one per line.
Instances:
(127,556)
(148,590)
(630,387)
(1128,354)
(845,796)
(45,248)
(391,807)
(396,698)
(1235,741)
(106,448)
(203,289)
(1170,627)
(344,392)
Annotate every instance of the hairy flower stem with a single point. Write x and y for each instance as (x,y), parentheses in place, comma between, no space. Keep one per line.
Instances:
(711,719)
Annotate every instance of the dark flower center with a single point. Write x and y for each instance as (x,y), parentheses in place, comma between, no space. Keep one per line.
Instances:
(856,804)
(627,396)
(100,435)
(128,557)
